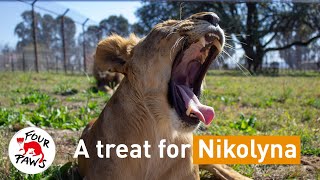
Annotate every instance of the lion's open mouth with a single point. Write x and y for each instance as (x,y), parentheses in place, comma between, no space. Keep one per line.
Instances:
(188,71)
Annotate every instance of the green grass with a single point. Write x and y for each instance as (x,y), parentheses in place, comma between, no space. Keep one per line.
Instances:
(286,104)
(48,100)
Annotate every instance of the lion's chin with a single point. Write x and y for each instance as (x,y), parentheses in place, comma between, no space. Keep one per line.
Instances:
(188,71)
(181,125)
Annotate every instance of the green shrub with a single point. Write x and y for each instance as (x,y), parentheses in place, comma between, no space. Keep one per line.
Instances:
(65,89)
(245,125)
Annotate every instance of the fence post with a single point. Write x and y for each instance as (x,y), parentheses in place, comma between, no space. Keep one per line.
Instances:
(47,63)
(35,37)
(84,46)
(12,63)
(56,64)
(63,41)
(23,62)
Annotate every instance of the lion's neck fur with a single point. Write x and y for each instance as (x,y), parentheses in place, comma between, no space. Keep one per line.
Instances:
(131,117)
(130,111)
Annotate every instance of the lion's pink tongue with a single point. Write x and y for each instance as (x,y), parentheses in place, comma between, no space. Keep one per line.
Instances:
(193,105)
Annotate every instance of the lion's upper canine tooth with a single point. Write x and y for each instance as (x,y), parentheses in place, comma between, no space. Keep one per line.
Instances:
(202,40)
(217,44)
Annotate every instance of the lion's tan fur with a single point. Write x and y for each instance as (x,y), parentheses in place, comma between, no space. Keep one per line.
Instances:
(139,110)
(114,46)
(133,115)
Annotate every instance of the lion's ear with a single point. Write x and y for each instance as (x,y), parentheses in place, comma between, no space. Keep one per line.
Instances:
(114,52)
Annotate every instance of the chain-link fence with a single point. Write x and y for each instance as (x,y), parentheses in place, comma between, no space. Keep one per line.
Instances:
(51,38)
(57,39)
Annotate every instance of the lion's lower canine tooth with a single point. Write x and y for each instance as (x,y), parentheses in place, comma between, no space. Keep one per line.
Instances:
(217,44)
(188,110)
(192,115)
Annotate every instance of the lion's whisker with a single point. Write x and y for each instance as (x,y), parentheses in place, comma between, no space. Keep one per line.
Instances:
(230,47)
(239,66)
(237,35)
(177,23)
(248,57)
(233,48)
(175,45)
(173,32)
(240,42)
(236,40)
(242,68)
(220,64)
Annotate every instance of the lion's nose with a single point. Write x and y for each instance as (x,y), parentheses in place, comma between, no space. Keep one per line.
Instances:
(212,18)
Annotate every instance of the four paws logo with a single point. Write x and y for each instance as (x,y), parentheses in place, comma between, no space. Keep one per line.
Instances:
(32,150)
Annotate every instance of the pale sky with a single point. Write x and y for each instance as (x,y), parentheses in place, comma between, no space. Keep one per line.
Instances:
(100,10)
(10,13)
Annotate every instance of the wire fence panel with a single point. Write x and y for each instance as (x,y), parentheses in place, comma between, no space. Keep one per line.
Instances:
(57,39)
(50,40)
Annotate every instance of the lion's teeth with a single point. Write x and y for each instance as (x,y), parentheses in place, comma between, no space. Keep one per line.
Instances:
(213,35)
(217,44)
(210,37)
(188,110)
(192,115)
(203,41)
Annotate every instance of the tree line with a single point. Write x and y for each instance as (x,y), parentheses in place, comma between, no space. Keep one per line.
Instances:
(48,30)
(49,34)
(292,29)
(260,27)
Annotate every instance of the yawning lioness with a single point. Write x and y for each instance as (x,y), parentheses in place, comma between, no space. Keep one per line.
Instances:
(157,99)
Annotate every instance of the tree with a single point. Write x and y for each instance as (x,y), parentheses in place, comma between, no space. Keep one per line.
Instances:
(1,47)
(46,30)
(294,55)
(49,37)
(49,30)
(137,29)
(24,29)
(69,30)
(255,25)
(69,35)
(92,37)
(5,56)
(114,24)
